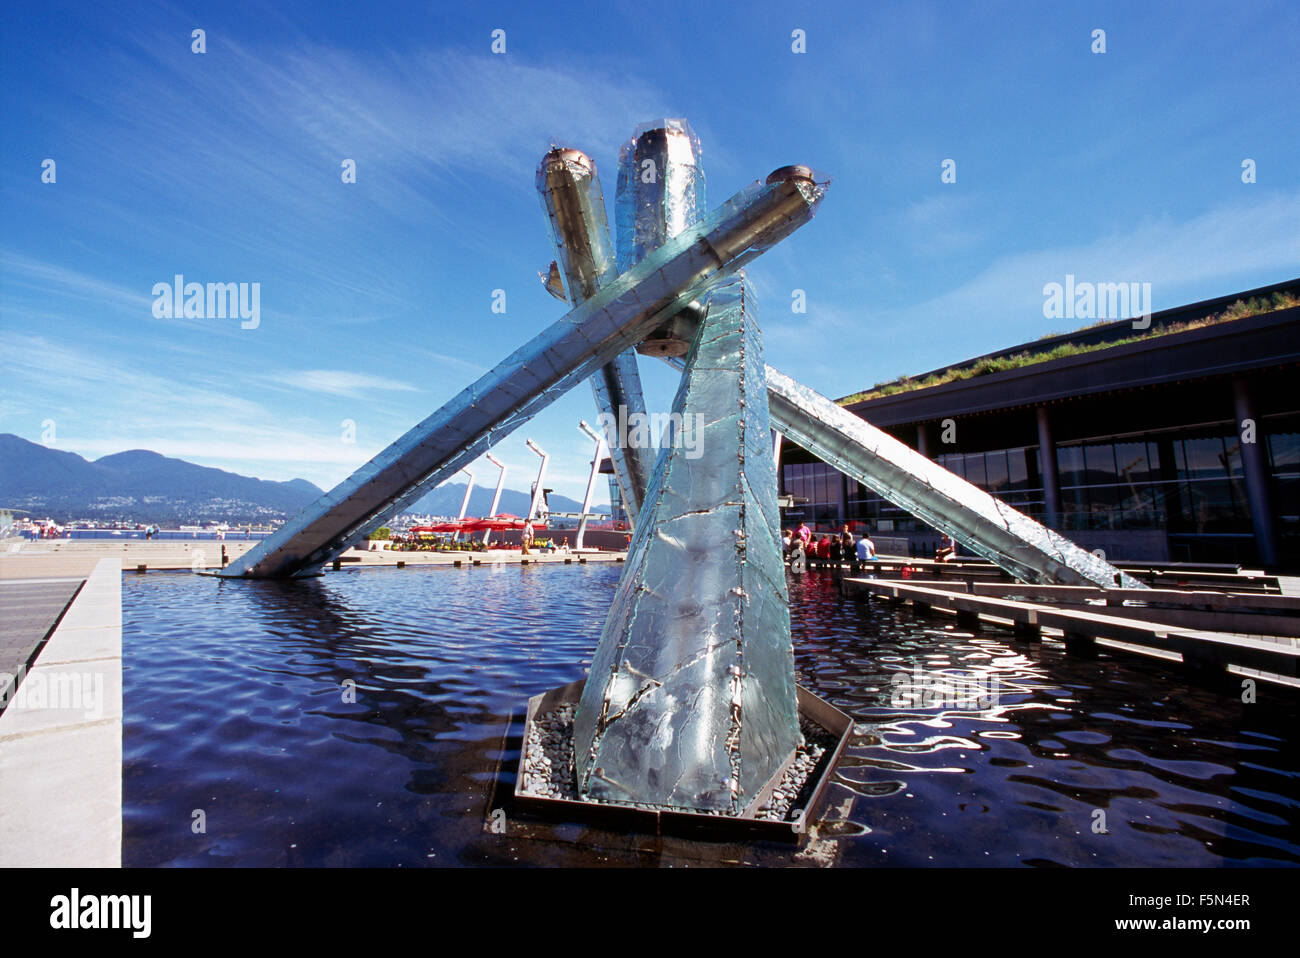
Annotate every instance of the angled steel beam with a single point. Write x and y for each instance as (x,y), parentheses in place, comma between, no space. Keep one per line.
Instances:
(899,474)
(538,494)
(685,310)
(464,502)
(575,209)
(590,335)
(591,481)
(496,496)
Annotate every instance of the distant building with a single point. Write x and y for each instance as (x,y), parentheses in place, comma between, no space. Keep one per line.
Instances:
(1183,446)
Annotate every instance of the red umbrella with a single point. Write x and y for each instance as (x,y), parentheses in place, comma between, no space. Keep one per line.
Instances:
(503,522)
(439,527)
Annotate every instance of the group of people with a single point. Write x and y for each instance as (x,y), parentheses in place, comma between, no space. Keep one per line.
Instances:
(416,543)
(802,546)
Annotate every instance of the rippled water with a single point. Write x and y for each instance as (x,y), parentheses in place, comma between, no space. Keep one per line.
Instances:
(241,746)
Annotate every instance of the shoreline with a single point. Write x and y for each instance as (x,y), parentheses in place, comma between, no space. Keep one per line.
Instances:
(205,554)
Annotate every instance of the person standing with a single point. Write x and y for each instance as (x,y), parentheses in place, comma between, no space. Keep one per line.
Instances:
(846,547)
(527,538)
(805,534)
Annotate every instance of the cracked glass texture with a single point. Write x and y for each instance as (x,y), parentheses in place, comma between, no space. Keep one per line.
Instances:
(691,699)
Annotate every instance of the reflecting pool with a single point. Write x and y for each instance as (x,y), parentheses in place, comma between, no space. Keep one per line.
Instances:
(372,718)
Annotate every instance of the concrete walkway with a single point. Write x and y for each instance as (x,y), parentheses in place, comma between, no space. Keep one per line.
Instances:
(61,734)
(206,554)
(29,610)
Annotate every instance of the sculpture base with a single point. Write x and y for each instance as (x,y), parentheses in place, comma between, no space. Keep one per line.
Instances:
(781,810)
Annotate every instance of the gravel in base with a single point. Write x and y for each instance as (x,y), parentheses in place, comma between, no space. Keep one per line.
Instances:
(791,793)
(548,770)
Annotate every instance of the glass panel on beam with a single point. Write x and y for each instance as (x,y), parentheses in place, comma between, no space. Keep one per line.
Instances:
(691,700)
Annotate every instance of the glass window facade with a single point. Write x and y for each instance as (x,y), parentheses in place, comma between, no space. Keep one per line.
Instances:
(1011,474)
(1188,484)
(820,485)
(1111,485)
(1284,458)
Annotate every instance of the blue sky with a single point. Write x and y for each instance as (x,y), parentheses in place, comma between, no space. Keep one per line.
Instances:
(376,296)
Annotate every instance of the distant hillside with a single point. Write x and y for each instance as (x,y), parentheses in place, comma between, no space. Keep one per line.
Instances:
(445,501)
(143,486)
(138,486)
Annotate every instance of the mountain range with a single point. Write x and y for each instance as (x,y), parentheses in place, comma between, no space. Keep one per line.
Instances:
(143,486)
(445,501)
(138,486)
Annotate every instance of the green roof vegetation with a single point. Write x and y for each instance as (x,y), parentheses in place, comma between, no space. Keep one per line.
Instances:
(996,364)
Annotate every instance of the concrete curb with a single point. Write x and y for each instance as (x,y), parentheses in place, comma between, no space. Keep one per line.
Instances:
(61,740)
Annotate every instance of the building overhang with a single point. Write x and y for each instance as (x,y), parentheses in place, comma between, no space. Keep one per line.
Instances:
(1235,347)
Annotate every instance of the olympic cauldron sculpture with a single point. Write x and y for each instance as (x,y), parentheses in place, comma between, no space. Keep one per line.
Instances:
(691,704)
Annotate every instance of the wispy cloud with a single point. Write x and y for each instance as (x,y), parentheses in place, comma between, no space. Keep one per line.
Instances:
(288,116)
(1220,244)
(340,382)
(841,347)
(23,273)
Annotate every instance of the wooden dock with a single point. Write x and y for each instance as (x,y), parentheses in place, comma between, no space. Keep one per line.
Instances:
(1169,575)
(1214,635)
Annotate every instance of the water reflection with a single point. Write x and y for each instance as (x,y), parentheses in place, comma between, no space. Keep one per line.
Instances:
(1020,780)
(237,704)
